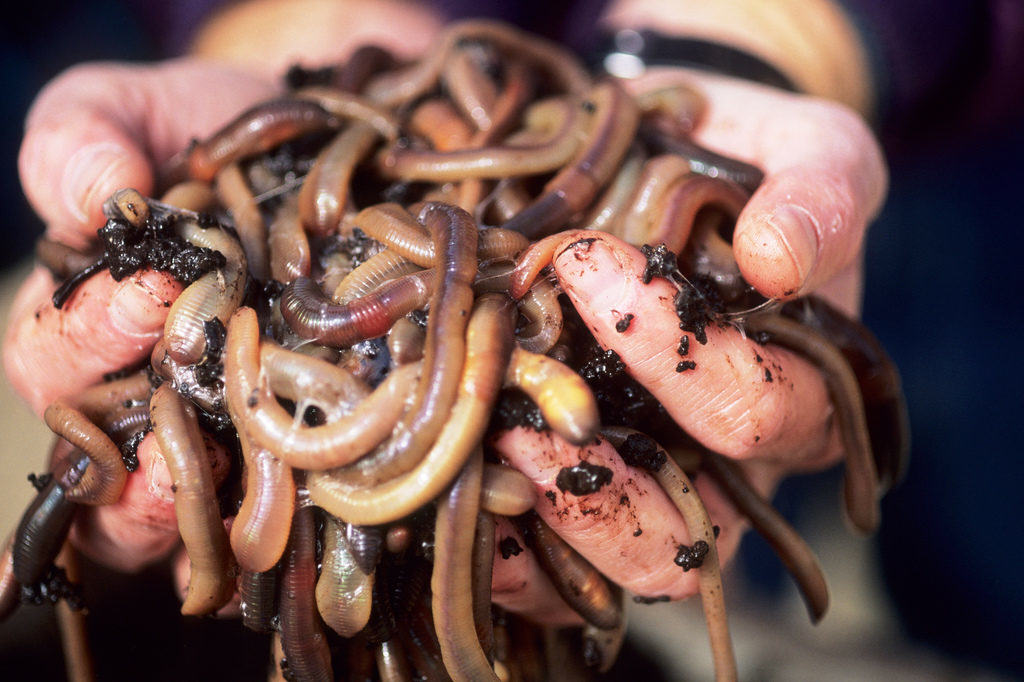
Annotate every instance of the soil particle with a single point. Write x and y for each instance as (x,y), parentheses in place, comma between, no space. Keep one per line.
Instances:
(623,324)
(686,365)
(692,557)
(637,599)
(509,547)
(660,262)
(583,479)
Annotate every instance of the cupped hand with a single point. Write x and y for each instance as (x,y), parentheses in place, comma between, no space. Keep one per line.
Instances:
(801,232)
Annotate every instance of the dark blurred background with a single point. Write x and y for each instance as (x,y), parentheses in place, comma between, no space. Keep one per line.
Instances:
(943,276)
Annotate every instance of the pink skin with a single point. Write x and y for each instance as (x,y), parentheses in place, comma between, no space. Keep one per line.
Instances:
(141,527)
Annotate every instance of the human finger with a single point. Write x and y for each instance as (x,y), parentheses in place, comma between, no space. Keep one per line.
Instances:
(825,177)
(735,396)
(103,327)
(100,127)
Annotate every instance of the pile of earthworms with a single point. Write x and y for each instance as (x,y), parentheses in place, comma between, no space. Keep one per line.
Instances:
(367,306)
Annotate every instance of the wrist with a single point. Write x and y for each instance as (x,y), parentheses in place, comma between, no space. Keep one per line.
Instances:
(268,36)
(812,42)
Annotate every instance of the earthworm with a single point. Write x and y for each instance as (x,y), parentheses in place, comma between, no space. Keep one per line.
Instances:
(612,123)
(256,412)
(77,419)
(312,315)
(601,646)
(215,294)
(437,122)
(392,665)
(392,225)
(455,241)
(553,126)
(68,286)
(674,481)
(129,204)
(234,193)
(506,491)
(536,257)
(255,130)
(379,268)
(405,341)
(564,398)
(366,543)
(45,523)
(190,195)
(709,254)
(74,637)
(878,377)
(259,534)
(10,588)
(658,174)
(344,589)
(606,211)
(488,345)
(258,592)
(302,636)
(676,110)
(211,583)
(482,568)
(361,66)
(346,105)
(684,199)
(63,261)
(704,161)
(404,85)
(798,558)
(290,255)
(506,200)
(465,78)
(543,314)
(451,581)
(421,644)
(861,479)
(308,380)
(325,191)
(580,584)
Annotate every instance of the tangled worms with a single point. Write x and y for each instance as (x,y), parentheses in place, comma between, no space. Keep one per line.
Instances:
(368,327)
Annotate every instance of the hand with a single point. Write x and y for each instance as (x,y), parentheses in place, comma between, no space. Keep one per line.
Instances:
(801,232)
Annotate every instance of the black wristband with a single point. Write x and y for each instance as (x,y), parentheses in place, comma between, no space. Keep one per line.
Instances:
(628,52)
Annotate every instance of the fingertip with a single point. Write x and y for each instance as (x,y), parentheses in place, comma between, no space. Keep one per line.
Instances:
(777,251)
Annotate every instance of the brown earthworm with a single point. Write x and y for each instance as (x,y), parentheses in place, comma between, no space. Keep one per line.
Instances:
(482,570)
(506,491)
(381,267)
(675,110)
(10,588)
(259,534)
(455,243)
(344,589)
(798,558)
(215,294)
(258,593)
(436,121)
(346,105)
(392,665)
(312,315)
(464,76)
(405,342)
(234,193)
(554,130)
(74,638)
(488,344)
(451,580)
(361,65)
(708,254)
(506,200)
(580,584)
(681,491)
(612,123)
(290,255)
(325,191)
(256,411)
(212,580)
(861,479)
(394,227)
(61,260)
(302,635)
(421,643)
(684,199)
(564,398)
(608,208)
(657,176)
(77,420)
(255,130)
(190,195)
(406,84)
(704,161)
(601,646)
(366,543)
(45,523)
(543,314)
(878,377)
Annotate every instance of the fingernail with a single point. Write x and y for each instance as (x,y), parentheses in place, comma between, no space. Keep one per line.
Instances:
(139,307)
(86,174)
(786,241)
